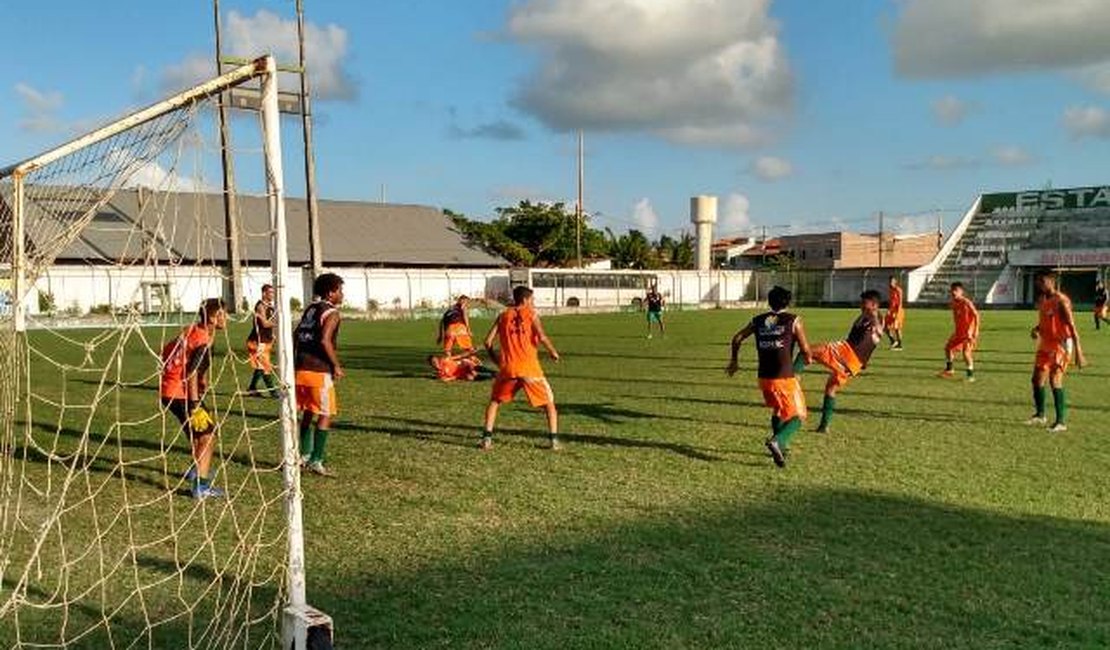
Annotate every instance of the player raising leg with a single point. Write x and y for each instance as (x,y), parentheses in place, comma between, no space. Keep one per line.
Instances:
(317,369)
(517,331)
(1057,338)
(966,334)
(895,315)
(776,334)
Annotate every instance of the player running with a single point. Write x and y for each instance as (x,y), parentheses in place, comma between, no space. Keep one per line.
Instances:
(776,333)
(1057,338)
(655,303)
(260,343)
(454,328)
(847,358)
(895,314)
(1100,305)
(966,335)
(317,365)
(518,331)
(184,382)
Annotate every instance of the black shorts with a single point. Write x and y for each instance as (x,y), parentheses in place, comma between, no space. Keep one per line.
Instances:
(180,410)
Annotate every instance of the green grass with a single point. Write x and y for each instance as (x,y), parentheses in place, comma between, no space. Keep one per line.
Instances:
(929,518)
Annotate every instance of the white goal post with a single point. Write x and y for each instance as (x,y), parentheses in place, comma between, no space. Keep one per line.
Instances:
(134,141)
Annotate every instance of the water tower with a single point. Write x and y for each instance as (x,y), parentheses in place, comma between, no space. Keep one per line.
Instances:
(703,214)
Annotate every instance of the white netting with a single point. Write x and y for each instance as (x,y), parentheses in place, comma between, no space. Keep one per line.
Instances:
(101,544)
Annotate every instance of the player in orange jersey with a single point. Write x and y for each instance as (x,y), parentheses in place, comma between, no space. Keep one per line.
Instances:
(895,314)
(184,381)
(776,333)
(518,333)
(1057,339)
(966,335)
(454,328)
(458,367)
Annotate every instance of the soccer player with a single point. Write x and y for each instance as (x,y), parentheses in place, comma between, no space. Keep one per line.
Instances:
(260,342)
(655,303)
(184,382)
(776,333)
(1100,305)
(518,331)
(317,369)
(847,358)
(454,328)
(966,335)
(1057,338)
(459,367)
(895,314)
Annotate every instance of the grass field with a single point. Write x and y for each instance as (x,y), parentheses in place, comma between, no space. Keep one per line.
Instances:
(930,517)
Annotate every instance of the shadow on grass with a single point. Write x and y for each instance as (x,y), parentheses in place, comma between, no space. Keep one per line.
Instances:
(808,569)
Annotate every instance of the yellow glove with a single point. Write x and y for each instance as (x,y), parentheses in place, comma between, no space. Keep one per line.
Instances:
(200,420)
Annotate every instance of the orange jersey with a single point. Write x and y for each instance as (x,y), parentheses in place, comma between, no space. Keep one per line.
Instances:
(179,358)
(895,303)
(965,316)
(518,338)
(1053,324)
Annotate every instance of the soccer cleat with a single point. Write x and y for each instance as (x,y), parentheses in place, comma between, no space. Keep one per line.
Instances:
(946,374)
(1059,427)
(202,492)
(971,380)
(191,474)
(486,443)
(823,428)
(1037,421)
(554,444)
(317,468)
(649,336)
(776,453)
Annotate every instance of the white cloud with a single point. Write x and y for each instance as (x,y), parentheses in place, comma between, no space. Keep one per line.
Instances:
(1087,121)
(153,175)
(644,216)
(946,38)
(771,168)
(735,216)
(326,51)
(40,109)
(950,110)
(698,72)
(1011,156)
(941,162)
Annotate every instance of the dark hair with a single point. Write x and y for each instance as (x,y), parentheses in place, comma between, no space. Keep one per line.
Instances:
(893,278)
(1045,274)
(462,298)
(209,308)
(871,294)
(520,294)
(956,285)
(779,298)
(267,286)
(326,283)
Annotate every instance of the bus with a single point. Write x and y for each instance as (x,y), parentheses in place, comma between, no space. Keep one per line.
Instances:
(555,288)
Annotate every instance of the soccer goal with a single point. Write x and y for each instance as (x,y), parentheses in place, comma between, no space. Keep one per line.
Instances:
(109,244)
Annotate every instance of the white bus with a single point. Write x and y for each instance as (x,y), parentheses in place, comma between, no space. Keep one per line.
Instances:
(584,287)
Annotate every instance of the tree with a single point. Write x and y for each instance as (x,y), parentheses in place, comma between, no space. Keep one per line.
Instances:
(632,250)
(533,234)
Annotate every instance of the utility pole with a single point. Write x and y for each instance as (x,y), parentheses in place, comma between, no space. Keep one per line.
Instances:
(314,244)
(880,239)
(233,283)
(579,212)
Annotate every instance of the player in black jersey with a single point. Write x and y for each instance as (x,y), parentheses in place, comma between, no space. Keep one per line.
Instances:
(260,343)
(654,301)
(1100,305)
(777,333)
(318,368)
(847,358)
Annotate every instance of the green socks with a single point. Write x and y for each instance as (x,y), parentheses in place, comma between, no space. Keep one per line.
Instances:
(306,440)
(970,372)
(948,366)
(258,374)
(1039,393)
(318,448)
(1060,400)
(827,408)
(799,363)
(776,424)
(787,431)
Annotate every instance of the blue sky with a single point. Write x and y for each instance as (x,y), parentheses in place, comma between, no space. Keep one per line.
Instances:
(833,111)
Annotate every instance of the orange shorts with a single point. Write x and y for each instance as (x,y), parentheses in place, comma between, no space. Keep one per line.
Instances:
(316,392)
(1052,358)
(894,320)
(960,341)
(457,334)
(840,359)
(1100,311)
(258,355)
(785,398)
(536,388)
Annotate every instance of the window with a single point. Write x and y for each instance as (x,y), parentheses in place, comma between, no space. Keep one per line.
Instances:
(829,253)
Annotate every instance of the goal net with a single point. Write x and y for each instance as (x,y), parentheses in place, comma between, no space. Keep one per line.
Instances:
(108,247)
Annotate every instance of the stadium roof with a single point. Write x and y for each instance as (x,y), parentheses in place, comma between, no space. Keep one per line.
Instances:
(136,224)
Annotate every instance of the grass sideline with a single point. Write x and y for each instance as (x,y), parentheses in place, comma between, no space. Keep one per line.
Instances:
(929,518)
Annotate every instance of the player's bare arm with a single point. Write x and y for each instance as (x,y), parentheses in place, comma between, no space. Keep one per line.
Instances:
(541,335)
(737,340)
(328,336)
(491,338)
(803,343)
(1068,318)
(260,315)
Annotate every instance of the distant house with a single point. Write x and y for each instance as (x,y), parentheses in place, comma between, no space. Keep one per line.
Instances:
(846,250)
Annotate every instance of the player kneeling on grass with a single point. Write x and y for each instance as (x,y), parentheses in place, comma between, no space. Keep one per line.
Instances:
(518,333)
(776,333)
(965,336)
(1057,338)
(846,359)
(317,369)
(184,382)
(459,367)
